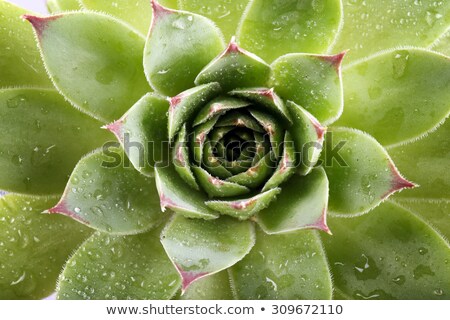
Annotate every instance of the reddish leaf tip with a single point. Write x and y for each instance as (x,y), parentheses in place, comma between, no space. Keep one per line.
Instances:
(398,182)
(335,60)
(115,128)
(61,208)
(321,224)
(188,277)
(158,9)
(233,47)
(39,23)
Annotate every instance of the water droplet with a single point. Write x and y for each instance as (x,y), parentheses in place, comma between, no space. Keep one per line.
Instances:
(77,210)
(438,292)
(105,75)
(18,101)
(17,160)
(423,251)
(400,280)
(183,22)
(400,63)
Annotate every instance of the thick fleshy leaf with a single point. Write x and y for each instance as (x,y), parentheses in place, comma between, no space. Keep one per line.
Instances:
(266,98)
(244,208)
(307,135)
(398,95)
(34,247)
(199,248)
(107,194)
(285,267)
(200,140)
(235,68)
(137,13)
(20,61)
(360,172)
(109,267)
(273,129)
(214,166)
(213,287)
(142,132)
(388,254)
(179,45)
(442,44)
(215,187)
(94,60)
(58,6)
(435,212)
(238,119)
(225,13)
(218,106)
(257,174)
(311,81)
(178,196)
(180,159)
(185,105)
(273,28)
(374,25)
(286,166)
(302,204)
(43,137)
(426,163)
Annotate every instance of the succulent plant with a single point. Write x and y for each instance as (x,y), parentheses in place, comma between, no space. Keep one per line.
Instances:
(174,165)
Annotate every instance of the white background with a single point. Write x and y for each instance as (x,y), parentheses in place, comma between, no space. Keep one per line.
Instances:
(35,5)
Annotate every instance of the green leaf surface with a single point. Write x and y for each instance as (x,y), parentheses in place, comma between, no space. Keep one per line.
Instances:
(181,159)
(214,166)
(286,166)
(199,248)
(311,81)
(435,212)
(238,119)
(235,68)
(308,136)
(272,127)
(301,204)
(34,247)
(200,141)
(426,163)
(58,6)
(109,267)
(142,131)
(442,44)
(179,45)
(137,13)
(185,105)
(374,25)
(215,187)
(43,137)
(226,14)
(178,196)
(285,267)
(213,287)
(273,28)
(20,61)
(106,193)
(257,174)
(388,254)
(243,209)
(398,95)
(94,60)
(360,172)
(218,106)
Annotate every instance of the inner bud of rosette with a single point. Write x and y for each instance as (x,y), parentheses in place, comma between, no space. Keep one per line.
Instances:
(235,144)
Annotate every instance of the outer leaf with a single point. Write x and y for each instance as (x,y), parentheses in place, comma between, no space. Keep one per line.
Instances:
(105,193)
(244,208)
(302,204)
(426,162)
(178,196)
(291,266)
(137,14)
(94,60)
(273,28)
(312,81)
(57,6)
(388,254)
(307,135)
(235,68)
(360,172)
(213,287)
(435,212)
(442,44)
(143,133)
(226,14)
(112,267)
(179,45)
(398,95)
(199,248)
(374,25)
(20,62)
(34,247)
(185,105)
(43,137)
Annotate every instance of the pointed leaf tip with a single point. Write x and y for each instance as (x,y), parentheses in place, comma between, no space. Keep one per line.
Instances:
(61,208)
(398,182)
(39,23)
(188,277)
(321,224)
(158,9)
(335,60)
(115,128)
